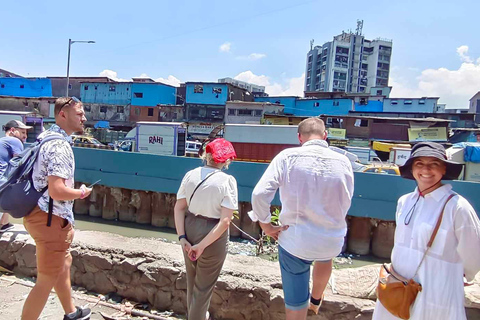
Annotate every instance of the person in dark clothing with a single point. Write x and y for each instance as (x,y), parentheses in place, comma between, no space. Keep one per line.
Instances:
(10,146)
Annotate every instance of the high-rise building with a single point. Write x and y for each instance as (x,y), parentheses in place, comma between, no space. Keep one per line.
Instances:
(349,63)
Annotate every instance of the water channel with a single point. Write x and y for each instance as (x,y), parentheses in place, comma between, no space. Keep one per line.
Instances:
(237,245)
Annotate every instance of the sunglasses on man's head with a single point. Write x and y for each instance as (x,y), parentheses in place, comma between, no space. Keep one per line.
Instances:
(74,99)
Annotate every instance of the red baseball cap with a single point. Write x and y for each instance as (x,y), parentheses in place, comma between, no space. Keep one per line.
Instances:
(221,150)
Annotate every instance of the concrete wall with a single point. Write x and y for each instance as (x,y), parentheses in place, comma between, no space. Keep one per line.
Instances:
(95,112)
(152,94)
(143,113)
(41,105)
(257,110)
(107,93)
(375,195)
(23,87)
(410,105)
(288,102)
(208,96)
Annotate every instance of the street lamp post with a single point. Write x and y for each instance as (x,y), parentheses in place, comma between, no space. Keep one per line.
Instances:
(70,42)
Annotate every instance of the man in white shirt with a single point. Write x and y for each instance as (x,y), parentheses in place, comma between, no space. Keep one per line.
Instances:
(316,188)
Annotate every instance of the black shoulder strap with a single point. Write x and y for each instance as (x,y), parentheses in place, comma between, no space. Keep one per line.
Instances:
(50,211)
(201,182)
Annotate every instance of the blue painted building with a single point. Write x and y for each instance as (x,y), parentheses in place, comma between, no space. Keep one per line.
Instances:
(118,93)
(416,105)
(311,106)
(207,93)
(152,94)
(25,87)
(369,106)
(288,102)
(128,93)
(316,107)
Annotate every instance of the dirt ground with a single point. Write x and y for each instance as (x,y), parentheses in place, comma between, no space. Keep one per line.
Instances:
(14,291)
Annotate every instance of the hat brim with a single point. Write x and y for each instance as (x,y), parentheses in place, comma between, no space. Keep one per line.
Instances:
(23,127)
(453,169)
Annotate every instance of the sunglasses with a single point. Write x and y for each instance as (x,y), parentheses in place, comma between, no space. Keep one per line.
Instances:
(72,99)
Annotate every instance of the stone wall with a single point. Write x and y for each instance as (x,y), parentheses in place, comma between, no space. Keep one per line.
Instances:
(365,235)
(152,271)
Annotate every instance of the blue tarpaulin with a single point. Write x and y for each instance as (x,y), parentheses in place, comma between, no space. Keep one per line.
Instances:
(472,151)
(102,124)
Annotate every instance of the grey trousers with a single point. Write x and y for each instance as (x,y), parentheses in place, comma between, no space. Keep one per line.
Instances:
(202,274)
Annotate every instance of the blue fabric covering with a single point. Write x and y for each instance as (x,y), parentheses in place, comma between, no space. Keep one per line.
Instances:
(472,151)
(102,124)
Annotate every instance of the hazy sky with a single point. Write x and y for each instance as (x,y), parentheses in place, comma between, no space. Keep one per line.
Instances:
(436,44)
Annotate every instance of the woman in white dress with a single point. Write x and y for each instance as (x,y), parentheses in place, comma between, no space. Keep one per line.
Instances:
(455,252)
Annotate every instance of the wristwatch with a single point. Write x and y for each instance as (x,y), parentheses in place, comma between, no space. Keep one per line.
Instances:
(182,237)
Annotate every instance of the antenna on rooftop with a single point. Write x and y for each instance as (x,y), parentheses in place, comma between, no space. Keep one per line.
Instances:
(359,27)
(311,44)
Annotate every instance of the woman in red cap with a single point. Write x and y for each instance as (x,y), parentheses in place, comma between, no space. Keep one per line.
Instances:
(205,204)
(439,266)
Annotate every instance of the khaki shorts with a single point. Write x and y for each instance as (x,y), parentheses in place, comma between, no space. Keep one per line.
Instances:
(53,243)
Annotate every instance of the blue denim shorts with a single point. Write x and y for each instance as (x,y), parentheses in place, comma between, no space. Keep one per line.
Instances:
(295,280)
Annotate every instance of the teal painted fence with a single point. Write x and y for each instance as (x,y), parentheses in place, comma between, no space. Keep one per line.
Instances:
(375,195)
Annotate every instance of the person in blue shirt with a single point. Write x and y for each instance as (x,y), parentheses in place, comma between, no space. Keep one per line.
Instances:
(10,146)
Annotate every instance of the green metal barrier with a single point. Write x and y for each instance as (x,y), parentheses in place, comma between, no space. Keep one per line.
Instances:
(375,195)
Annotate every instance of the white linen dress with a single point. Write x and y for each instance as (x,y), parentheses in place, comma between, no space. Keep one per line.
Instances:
(454,253)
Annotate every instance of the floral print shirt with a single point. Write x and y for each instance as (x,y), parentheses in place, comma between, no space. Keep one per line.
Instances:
(55,159)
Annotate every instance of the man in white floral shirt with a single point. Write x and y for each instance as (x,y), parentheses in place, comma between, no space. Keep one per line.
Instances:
(55,168)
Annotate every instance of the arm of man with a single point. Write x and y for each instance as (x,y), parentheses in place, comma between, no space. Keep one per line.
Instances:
(60,168)
(16,147)
(263,195)
(60,192)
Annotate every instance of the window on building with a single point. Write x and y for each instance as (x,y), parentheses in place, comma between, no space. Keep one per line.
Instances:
(96,88)
(361,123)
(379,92)
(364,66)
(394,102)
(2,85)
(244,112)
(316,104)
(150,112)
(198,88)
(138,111)
(231,112)
(70,86)
(111,88)
(258,113)
(85,87)
(87,108)
(103,109)
(421,101)
(407,102)
(138,94)
(216,90)
(120,109)
(22,86)
(336,103)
